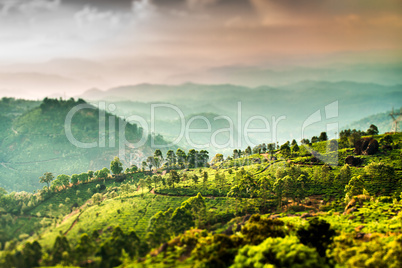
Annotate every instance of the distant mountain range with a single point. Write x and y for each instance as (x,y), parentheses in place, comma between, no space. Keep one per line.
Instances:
(296,102)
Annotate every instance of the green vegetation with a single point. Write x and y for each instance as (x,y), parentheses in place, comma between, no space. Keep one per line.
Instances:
(264,206)
(33,139)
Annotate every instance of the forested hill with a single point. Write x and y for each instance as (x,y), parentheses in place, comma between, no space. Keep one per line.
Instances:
(261,207)
(33,140)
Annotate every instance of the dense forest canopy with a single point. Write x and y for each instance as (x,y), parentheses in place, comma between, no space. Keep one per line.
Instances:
(271,204)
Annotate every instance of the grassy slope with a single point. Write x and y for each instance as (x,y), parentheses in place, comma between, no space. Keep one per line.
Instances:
(130,210)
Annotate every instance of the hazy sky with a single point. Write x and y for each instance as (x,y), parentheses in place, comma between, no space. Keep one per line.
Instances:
(125,41)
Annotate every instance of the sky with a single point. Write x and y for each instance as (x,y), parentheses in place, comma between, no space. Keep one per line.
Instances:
(67,46)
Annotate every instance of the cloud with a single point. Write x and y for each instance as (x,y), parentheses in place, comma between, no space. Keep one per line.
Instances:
(27,7)
(196,4)
(143,8)
(310,10)
(93,15)
(89,15)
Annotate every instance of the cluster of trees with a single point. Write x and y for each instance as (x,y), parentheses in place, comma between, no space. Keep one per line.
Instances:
(293,183)
(260,148)
(63,181)
(164,225)
(378,179)
(178,160)
(259,242)
(290,182)
(110,251)
(50,104)
(348,137)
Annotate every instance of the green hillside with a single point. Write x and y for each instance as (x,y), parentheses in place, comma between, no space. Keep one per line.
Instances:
(281,206)
(34,141)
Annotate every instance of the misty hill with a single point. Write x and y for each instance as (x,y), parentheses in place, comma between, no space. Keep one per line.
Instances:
(296,102)
(36,141)
(382,120)
(10,109)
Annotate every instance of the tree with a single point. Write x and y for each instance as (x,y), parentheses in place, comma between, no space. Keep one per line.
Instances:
(386,140)
(32,254)
(96,198)
(354,187)
(83,177)
(345,174)
(305,141)
(203,158)
(74,179)
(144,165)
(353,138)
(90,174)
(290,187)
(158,154)
(148,182)
(46,178)
(219,179)
(264,148)
(381,178)
(150,162)
(157,162)
(295,148)
(64,180)
(116,166)
(265,188)
(278,189)
(191,211)
(271,148)
(191,158)
(235,154)
(171,158)
(205,178)
(372,130)
(181,157)
(102,174)
(318,235)
(218,158)
(278,252)
(195,179)
(323,136)
(84,247)
(235,192)
(158,158)
(156,180)
(285,149)
(131,169)
(248,151)
(60,246)
(326,173)
(112,249)
(301,187)
(142,184)
(159,228)
(173,178)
